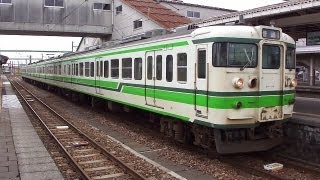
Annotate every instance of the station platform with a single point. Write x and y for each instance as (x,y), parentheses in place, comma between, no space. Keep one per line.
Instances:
(308,89)
(22,153)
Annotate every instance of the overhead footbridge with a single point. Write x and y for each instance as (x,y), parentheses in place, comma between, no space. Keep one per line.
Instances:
(56,17)
(296,17)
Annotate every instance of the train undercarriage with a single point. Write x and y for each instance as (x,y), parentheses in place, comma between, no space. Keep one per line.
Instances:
(226,141)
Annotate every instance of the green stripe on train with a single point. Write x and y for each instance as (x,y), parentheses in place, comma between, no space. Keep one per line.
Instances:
(217,100)
(125,51)
(128,104)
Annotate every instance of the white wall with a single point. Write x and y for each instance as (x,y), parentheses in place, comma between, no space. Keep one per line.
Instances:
(205,13)
(89,41)
(123,22)
(123,25)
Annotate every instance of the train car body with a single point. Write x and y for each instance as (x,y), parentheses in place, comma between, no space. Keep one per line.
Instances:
(230,86)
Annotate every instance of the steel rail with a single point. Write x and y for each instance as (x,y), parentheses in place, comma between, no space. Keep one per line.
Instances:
(119,162)
(84,175)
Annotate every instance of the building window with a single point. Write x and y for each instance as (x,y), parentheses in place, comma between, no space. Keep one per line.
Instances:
(5,2)
(182,67)
(101,6)
(126,68)
(137,24)
(119,9)
(115,68)
(137,68)
(193,14)
(53,3)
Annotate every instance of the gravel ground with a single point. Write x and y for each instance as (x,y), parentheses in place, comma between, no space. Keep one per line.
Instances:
(99,124)
(117,150)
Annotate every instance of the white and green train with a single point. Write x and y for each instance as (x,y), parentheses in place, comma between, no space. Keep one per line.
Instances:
(228,87)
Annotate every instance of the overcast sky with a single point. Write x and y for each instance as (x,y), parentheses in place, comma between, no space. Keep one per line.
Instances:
(64,43)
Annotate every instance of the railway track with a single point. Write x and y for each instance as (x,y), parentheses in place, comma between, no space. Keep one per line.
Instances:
(90,159)
(237,163)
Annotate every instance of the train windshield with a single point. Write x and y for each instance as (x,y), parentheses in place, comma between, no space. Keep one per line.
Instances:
(271,57)
(290,58)
(234,55)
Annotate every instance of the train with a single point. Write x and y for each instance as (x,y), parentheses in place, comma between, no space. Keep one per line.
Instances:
(224,88)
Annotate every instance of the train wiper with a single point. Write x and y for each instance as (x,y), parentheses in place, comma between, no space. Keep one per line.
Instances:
(249,60)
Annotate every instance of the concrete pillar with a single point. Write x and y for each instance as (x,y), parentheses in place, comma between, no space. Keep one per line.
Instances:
(311,72)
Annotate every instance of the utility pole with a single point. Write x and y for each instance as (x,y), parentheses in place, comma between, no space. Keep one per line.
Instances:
(73,47)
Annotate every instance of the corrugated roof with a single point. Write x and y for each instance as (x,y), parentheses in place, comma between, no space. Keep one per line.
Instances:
(308,50)
(196,5)
(158,13)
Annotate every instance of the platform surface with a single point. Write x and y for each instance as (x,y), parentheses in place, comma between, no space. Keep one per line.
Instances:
(22,153)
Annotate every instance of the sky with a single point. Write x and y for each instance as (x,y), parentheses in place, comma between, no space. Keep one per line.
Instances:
(65,43)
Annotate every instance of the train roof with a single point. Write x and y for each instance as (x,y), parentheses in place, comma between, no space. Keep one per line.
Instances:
(198,33)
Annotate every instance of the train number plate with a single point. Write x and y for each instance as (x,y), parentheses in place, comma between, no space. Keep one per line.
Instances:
(271,113)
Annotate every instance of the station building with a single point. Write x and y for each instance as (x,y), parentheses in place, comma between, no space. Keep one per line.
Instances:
(133,17)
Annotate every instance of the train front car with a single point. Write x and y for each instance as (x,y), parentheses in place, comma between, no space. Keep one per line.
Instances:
(250,87)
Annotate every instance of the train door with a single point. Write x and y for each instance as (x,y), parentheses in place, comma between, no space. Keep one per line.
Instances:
(71,71)
(153,72)
(201,82)
(99,74)
(272,78)
(149,80)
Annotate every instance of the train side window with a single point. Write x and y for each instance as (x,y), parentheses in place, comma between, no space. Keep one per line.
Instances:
(115,68)
(69,69)
(159,67)
(202,57)
(77,69)
(127,68)
(59,70)
(86,69)
(81,69)
(97,68)
(220,54)
(138,68)
(149,67)
(101,68)
(290,58)
(106,69)
(91,69)
(182,67)
(169,68)
(64,69)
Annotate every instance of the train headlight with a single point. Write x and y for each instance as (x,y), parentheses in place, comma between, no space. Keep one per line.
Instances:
(253,82)
(293,83)
(238,83)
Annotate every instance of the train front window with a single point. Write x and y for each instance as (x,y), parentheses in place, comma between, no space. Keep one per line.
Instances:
(290,59)
(234,55)
(270,57)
